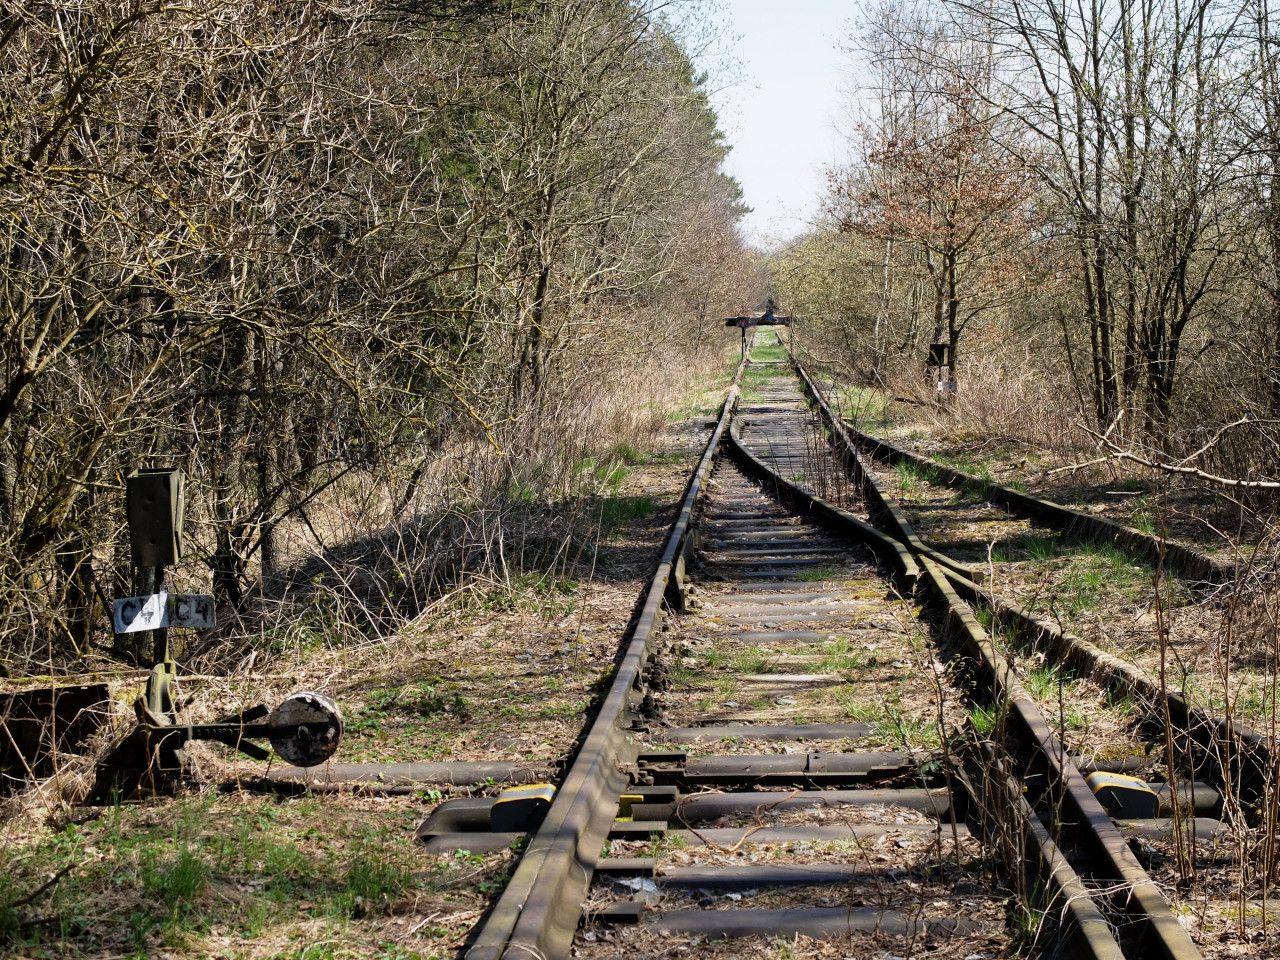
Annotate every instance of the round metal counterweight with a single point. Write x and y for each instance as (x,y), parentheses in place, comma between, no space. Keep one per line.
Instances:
(306,728)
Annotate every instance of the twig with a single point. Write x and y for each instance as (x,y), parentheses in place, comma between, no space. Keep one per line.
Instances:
(40,890)
(1074,467)
(1119,453)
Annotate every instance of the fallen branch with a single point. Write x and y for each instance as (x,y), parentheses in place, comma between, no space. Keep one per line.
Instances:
(1073,467)
(1116,452)
(42,889)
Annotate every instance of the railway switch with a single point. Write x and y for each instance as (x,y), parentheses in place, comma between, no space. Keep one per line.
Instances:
(1124,797)
(625,803)
(304,729)
(521,809)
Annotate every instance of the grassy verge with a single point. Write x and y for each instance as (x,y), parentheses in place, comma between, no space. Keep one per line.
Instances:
(242,877)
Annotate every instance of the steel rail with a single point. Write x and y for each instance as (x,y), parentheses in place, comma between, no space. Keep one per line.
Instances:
(1163,935)
(1157,551)
(1083,923)
(538,911)
(1245,763)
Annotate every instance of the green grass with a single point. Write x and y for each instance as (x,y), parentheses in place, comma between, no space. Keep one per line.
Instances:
(817,573)
(973,493)
(1097,571)
(425,700)
(911,474)
(891,725)
(754,660)
(531,591)
(975,468)
(1143,516)
(754,378)
(865,406)
(918,734)
(371,883)
(1042,683)
(174,880)
(839,656)
(1026,921)
(157,878)
(715,658)
(606,472)
(1031,546)
(1056,694)
(616,512)
(768,353)
(985,720)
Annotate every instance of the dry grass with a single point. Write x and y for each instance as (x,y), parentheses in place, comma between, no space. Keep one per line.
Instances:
(469,632)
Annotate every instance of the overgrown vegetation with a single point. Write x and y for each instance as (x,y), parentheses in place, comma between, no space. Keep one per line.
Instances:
(1081,204)
(197,878)
(346,264)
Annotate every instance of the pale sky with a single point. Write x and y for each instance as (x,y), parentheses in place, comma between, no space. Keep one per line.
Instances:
(781,108)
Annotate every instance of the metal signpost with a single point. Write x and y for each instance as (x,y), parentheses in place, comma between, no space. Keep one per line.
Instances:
(942,360)
(305,729)
(765,318)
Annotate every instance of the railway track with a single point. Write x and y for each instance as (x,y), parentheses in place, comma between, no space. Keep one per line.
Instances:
(810,733)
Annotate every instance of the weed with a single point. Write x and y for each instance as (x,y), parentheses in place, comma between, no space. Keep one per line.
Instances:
(818,573)
(754,660)
(372,881)
(985,720)
(616,511)
(177,881)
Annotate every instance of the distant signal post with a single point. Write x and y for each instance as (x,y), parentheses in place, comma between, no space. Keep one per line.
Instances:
(764,318)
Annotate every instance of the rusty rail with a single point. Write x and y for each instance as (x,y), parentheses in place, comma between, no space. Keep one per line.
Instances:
(1163,935)
(538,911)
